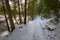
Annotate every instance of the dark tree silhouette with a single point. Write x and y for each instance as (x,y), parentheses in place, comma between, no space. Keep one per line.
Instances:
(9,15)
(25,12)
(19,12)
(5,16)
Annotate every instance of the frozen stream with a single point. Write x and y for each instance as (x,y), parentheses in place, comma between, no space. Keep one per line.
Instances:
(38,29)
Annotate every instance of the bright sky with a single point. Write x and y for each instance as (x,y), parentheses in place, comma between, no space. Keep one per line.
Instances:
(12,2)
(23,1)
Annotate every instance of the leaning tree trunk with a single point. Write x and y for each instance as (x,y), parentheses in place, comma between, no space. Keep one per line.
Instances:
(5,16)
(25,12)
(10,15)
(19,12)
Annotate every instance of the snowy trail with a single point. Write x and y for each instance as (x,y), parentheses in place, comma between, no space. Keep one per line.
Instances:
(34,30)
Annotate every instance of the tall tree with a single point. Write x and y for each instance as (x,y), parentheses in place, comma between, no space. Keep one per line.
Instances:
(19,11)
(5,16)
(25,12)
(10,15)
(22,10)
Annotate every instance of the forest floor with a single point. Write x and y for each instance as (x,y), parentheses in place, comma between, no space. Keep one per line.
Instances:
(32,31)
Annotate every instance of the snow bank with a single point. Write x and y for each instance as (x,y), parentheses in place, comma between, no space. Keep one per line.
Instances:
(35,30)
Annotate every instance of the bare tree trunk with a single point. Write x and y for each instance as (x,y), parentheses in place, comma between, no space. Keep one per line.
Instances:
(25,12)
(10,15)
(5,16)
(21,8)
(19,12)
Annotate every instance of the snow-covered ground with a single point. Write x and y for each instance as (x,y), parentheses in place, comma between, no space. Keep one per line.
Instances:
(38,29)
(4,35)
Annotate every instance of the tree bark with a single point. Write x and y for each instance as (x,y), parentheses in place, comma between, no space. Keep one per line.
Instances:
(5,16)
(25,12)
(9,15)
(19,12)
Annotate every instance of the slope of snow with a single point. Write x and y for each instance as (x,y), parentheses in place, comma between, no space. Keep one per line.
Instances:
(4,35)
(35,30)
